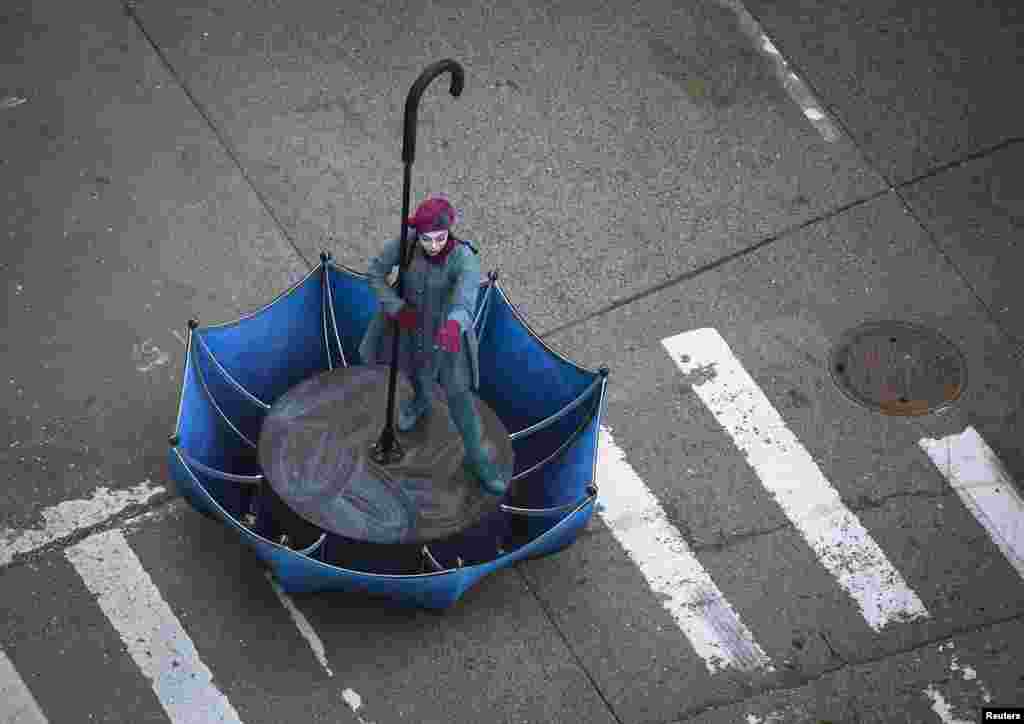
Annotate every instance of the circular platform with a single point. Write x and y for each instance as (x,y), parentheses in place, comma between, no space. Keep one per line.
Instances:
(315,444)
(898,368)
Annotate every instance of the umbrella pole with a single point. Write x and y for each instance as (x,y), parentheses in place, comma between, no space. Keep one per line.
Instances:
(387,450)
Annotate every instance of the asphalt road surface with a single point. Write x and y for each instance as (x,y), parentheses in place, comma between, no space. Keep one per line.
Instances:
(666,189)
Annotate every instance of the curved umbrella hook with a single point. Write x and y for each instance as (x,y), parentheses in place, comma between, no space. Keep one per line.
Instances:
(387,450)
(412,101)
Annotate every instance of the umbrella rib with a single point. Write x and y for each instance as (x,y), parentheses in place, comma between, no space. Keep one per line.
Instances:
(314,547)
(367,574)
(184,376)
(525,432)
(323,315)
(477,324)
(227,375)
(538,512)
(219,474)
(213,401)
(561,448)
(334,318)
(234,521)
(597,435)
(431,560)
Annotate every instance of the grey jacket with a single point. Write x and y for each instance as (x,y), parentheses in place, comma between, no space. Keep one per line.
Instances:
(439,292)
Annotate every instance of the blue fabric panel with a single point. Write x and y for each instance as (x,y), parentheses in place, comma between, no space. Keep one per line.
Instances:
(354,306)
(203,433)
(299,573)
(234,498)
(537,446)
(371,557)
(564,533)
(279,346)
(189,487)
(243,412)
(565,478)
(520,379)
(476,545)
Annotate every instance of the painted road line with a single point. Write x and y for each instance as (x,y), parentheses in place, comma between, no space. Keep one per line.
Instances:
(978,476)
(305,627)
(149,630)
(793,84)
(638,522)
(17,705)
(943,710)
(64,519)
(790,474)
(354,702)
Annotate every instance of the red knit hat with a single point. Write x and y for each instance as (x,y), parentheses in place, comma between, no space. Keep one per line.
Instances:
(434,214)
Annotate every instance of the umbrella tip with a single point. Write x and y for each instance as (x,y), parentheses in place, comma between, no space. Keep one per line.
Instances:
(603,370)
(324,257)
(493,275)
(173,440)
(193,323)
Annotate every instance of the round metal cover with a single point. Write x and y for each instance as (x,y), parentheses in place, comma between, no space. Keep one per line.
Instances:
(898,368)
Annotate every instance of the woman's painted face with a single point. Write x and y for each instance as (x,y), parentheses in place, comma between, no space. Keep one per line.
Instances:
(433,241)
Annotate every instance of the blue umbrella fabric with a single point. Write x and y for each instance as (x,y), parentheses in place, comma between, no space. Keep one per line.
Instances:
(235,371)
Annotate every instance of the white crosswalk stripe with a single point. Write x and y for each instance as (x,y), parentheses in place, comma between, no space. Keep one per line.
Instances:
(71,516)
(979,478)
(639,524)
(790,474)
(150,631)
(17,705)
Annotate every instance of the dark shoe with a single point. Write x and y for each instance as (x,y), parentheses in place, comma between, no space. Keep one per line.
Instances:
(410,413)
(491,479)
(496,486)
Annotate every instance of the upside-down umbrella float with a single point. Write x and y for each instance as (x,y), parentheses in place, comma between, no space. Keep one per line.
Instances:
(298,359)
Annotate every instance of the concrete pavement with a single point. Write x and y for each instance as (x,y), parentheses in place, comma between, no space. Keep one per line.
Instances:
(634,175)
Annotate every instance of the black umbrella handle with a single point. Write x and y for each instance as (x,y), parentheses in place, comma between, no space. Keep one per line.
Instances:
(412,106)
(412,101)
(387,449)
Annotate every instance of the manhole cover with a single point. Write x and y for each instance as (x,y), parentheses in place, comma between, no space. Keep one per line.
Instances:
(898,368)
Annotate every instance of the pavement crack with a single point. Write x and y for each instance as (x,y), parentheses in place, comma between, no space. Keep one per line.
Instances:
(973,156)
(865,502)
(803,681)
(566,642)
(222,139)
(835,654)
(862,503)
(710,266)
(727,540)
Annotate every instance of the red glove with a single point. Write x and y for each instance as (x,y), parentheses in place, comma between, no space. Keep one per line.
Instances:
(448,336)
(406,317)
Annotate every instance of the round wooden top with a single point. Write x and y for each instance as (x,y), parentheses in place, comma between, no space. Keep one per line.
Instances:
(314,448)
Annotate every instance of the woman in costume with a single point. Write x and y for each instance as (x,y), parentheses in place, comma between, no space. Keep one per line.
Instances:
(435,313)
